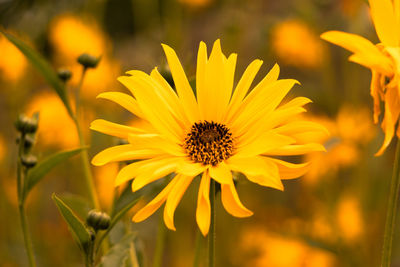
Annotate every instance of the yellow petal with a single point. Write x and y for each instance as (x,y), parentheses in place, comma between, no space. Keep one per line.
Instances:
(262,144)
(122,153)
(375,90)
(301,127)
(153,205)
(114,129)
(203,211)
(126,101)
(366,53)
(147,96)
(385,21)
(259,170)
(221,173)
(174,198)
(182,84)
(289,170)
(231,201)
(255,94)
(155,141)
(170,96)
(254,109)
(201,87)
(189,168)
(131,170)
(243,87)
(291,150)
(151,174)
(392,109)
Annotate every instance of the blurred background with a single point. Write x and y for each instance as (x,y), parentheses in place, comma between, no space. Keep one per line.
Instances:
(333,216)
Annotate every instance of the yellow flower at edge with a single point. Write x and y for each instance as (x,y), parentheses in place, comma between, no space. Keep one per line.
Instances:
(296,44)
(383,59)
(219,131)
(56,128)
(12,62)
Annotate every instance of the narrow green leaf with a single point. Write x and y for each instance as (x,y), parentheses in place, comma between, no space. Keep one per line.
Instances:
(37,173)
(79,231)
(77,203)
(119,254)
(43,67)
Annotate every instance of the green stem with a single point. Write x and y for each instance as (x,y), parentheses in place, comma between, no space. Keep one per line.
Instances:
(21,204)
(211,233)
(161,236)
(132,254)
(392,210)
(84,154)
(198,246)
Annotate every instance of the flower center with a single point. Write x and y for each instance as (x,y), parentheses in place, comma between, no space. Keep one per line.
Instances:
(208,143)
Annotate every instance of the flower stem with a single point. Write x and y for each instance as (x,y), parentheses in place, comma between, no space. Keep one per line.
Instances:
(21,204)
(84,154)
(391,210)
(161,235)
(211,233)
(198,248)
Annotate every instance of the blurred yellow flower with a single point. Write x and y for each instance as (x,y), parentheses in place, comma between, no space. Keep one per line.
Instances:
(70,36)
(12,62)
(349,218)
(56,128)
(3,148)
(219,132)
(352,128)
(196,3)
(104,177)
(383,59)
(273,250)
(294,43)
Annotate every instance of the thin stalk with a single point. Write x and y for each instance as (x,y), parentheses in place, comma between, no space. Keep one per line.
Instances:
(161,235)
(21,205)
(84,154)
(211,233)
(392,210)
(132,254)
(198,247)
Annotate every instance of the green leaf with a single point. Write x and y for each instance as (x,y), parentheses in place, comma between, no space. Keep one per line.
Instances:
(119,254)
(78,229)
(77,203)
(43,67)
(37,173)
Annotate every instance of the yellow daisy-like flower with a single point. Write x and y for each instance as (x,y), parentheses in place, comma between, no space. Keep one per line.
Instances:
(218,131)
(383,59)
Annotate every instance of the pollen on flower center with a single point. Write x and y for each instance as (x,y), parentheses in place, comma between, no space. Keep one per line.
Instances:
(208,143)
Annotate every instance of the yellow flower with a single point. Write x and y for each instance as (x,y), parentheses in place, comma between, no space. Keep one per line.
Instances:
(12,62)
(349,218)
(211,135)
(383,59)
(70,36)
(296,44)
(273,250)
(196,3)
(351,128)
(56,128)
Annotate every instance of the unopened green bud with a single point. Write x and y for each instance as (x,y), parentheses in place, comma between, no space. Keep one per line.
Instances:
(26,125)
(29,161)
(88,61)
(98,220)
(29,141)
(64,75)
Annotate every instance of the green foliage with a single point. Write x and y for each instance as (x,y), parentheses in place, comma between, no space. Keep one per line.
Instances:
(36,174)
(121,253)
(41,64)
(76,226)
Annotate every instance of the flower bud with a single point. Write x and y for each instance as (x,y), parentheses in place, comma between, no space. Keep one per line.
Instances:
(26,125)
(29,141)
(64,75)
(88,61)
(29,161)
(98,220)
